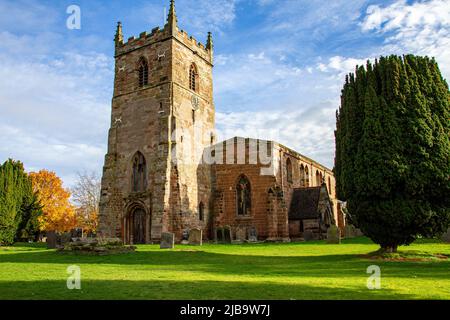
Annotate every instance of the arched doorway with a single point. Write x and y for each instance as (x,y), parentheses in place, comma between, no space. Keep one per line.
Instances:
(139,226)
(136,226)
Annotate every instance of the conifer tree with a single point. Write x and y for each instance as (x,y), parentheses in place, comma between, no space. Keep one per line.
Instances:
(19,208)
(392,161)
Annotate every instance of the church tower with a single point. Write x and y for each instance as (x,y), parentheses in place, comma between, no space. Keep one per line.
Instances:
(163,118)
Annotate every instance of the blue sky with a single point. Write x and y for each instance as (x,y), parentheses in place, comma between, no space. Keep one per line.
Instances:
(279,68)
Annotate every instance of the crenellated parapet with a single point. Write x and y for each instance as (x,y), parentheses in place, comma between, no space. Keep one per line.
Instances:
(156,35)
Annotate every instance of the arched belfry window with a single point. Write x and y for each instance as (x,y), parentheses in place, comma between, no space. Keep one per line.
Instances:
(243,196)
(193,78)
(143,72)
(289,170)
(139,178)
(318,179)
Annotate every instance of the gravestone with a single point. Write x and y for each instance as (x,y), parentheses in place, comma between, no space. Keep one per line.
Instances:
(350,231)
(51,240)
(333,235)
(196,237)
(446,236)
(308,235)
(167,240)
(252,234)
(241,234)
(227,235)
(185,237)
(359,233)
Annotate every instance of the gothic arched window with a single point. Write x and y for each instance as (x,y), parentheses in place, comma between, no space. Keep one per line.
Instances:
(306,177)
(318,180)
(302,176)
(143,72)
(193,78)
(139,177)
(201,211)
(243,196)
(289,170)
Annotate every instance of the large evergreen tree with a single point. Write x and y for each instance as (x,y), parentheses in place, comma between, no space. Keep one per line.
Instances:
(19,207)
(392,161)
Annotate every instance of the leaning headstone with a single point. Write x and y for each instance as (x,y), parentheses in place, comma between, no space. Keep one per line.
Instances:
(446,236)
(51,240)
(241,234)
(227,235)
(252,234)
(308,236)
(196,237)
(167,240)
(333,235)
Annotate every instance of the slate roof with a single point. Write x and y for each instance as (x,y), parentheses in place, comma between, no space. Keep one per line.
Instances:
(304,204)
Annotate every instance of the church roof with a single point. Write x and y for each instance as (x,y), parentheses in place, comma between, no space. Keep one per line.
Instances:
(305,203)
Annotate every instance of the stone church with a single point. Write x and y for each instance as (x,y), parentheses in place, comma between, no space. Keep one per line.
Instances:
(165,172)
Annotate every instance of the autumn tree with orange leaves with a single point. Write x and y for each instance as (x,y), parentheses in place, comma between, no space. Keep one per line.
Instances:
(58,213)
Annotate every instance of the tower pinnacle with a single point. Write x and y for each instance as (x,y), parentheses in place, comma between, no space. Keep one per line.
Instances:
(209,42)
(172,18)
(119,34)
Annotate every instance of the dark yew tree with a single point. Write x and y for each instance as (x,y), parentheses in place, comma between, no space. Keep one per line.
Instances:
(392,161)
(19,206)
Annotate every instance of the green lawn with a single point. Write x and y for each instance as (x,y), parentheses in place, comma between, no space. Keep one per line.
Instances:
(312,270)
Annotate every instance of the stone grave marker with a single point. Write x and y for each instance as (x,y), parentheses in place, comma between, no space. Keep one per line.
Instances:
(333,235)
(350,231)
(51,240)
(196,237)
(185,237)
(252,234)
(241,234)
(167,240)
(308,235)
(446,236)
(359,233)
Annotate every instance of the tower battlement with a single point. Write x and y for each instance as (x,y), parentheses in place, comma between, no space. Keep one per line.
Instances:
(156,35)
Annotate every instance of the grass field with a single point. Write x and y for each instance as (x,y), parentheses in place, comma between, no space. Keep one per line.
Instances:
(312,270)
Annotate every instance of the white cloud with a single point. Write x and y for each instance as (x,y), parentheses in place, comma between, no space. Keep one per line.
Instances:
(310,131)
(55,111)
(26,15)
(197,17)
(401,15)
(422,28)
(338,67)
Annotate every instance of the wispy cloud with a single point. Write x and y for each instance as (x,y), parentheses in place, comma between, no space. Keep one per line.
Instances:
(55,112)
(421,28)
(279,68)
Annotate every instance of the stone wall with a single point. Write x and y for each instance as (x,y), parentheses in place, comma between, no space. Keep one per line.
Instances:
(159,121)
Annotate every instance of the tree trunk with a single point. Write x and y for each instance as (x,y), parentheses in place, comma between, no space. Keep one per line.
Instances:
(390,248)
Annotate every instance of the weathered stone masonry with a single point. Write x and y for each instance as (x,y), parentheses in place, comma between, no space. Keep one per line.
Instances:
(165,118)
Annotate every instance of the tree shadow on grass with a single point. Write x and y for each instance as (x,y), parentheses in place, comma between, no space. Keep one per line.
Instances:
(187,290)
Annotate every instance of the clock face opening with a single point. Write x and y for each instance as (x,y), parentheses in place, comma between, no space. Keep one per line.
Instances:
(195,102)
